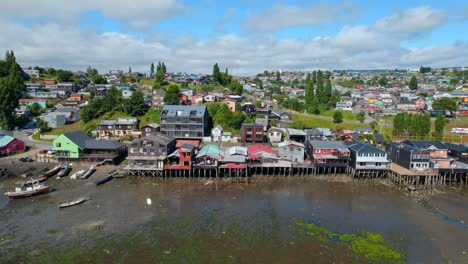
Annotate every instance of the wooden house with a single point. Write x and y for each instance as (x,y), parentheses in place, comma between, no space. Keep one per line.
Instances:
(208,156)
(291,150)
(457,151)
(407,156)
(438,152)
(10,145)
(328,153)
(366,157)
(150,129)
(150,151)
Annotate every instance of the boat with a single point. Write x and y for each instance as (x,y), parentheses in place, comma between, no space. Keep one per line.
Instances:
(72,203)
(65,170)
(104,180)
(27,191)
(35,180)
(88,173)
(116,174)
(53,171)
(77,174)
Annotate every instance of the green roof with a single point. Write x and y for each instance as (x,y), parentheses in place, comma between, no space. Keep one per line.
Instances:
(5,140)
(209,150)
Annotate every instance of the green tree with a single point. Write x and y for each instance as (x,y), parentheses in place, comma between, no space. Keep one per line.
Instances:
(439,125)
(383,81)
(278,76)
(135,105)
(35,109)
(413,83)
(337,117)
(327,92)
(11,89)
(64,76)
(152,68)
(98,79)
(374,125)
(43,126)
(172,95)
(361,116)
(216,74)
(236,87)
(129,69)
(163,68)
(444,103)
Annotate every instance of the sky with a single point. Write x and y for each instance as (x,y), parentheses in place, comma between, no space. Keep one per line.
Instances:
(246,36)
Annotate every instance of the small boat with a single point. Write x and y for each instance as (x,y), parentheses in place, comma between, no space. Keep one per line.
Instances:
(72,203)
(88,173)
(104,180)
(77,174)
(116,174)
(65,170)
(33,181)
(27,191)
(53,171)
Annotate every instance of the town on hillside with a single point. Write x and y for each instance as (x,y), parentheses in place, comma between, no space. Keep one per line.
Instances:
(380,124)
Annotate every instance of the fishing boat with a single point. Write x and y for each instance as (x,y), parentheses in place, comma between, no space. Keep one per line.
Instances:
(77,174)
(72,203)
(104,180)
(88,173)
(53,171)
(27,191)
(65,170)
(34,180)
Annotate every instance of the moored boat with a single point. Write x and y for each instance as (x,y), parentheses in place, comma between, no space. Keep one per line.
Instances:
(88,173)
(65,170)
(72,203)
(27,191)
(53,171)
(104,180)
(116,174)
(77,174)
(35,180)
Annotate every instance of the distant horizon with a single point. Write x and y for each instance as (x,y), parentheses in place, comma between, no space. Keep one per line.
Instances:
(245,36)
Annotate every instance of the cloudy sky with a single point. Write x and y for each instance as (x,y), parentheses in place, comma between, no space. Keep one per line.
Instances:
(247,36)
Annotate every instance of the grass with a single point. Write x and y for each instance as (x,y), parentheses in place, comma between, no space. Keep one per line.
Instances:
(347,115)
(309,121)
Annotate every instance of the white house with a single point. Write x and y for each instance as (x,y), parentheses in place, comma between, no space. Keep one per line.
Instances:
(218,134)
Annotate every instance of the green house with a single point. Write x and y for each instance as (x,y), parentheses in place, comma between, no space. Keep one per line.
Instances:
(77,145)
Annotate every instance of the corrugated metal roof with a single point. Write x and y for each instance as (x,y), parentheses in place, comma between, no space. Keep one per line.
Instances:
(327,144)
(209,150)
(5,140)
(183,110)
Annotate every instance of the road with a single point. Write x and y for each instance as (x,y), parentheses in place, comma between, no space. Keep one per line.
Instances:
(31,142)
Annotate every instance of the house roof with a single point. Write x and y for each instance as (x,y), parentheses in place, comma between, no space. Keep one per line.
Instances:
(188,147)
(237,150)
(67,110)
(84,142)
(379,137)
(209,150)
(363,148)
(456,147)
(183,110)
(5,133)
(425,144)
(153,125)
(5,140)
(289,142)
(233,158)
(260,150)
(295,132)
(328,144)
(181,142)
(107,122)
(163,139)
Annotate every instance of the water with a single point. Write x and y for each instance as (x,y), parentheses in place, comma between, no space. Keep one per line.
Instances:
(190,222)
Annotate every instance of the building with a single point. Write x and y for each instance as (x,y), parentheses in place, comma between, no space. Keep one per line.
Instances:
(54,119)
(209,155)
(328,153)
(150,151)
(252,132)
(407,156)
(438,152)
(297,135)
(32,73)
(457,151)
(150,129)
(75,97)
(261,154)
(232,105)
(182,158)
(78,146)
(157,100)
(275,135)
(9,144)
(71,114)
(22,110)
(366,157)
(49,82)
(294,151)
(183,121)
(123,126)
(197,98)
(234,158)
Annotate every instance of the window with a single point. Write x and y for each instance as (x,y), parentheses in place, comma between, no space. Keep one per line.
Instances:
(58,145)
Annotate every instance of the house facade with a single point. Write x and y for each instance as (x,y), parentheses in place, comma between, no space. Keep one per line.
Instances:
(157,100)
(252,132)
(457,151)
(409,157)
(328,153)
(182,121)
(150,129)
(366,157)
(9,144)
(275,135)
(294,151)
(123,126)
(150,151)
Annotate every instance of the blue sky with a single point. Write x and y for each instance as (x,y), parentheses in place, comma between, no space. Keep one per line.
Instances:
(246,36)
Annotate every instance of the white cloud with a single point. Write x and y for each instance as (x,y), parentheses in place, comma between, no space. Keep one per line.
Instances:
(74,49)
(138,13)
(413,20)
(283,16)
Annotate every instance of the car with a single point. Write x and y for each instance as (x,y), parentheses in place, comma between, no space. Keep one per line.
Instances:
(51,152)
(27,134)
(25,159)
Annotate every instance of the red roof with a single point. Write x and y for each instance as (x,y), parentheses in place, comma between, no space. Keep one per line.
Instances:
(253,150)
(194,143)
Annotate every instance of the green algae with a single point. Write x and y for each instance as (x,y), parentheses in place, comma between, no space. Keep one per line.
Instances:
(372,246)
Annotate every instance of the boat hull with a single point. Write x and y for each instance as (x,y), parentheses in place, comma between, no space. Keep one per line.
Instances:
(87,173)
(72,203)
(29,193)
(104,180)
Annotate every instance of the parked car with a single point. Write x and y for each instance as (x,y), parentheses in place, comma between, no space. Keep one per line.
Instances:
(51,152)
(25,159)
(27,134)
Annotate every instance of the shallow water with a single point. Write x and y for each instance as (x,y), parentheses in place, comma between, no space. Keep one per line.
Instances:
(260,215)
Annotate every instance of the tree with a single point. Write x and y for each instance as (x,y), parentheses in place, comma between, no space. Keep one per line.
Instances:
(152,69)
(337,117)
(64,76)
(374,125)
(35,109)
(43,126)
(383,81)
(327,92)
(216,74)
(444,103)
(278,76)
(361,116)
(236,87)
(11,89)
(172,95)
(413,83)
(135,105)
(98,79)
(130,69)
(439,125)
(163,68)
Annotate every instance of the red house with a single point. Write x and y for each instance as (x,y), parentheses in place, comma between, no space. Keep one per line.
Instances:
(260,152)
(184,98)
(10,144)
(328,153)
(182,158)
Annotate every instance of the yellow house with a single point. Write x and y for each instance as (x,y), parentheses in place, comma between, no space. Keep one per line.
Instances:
(231,105)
